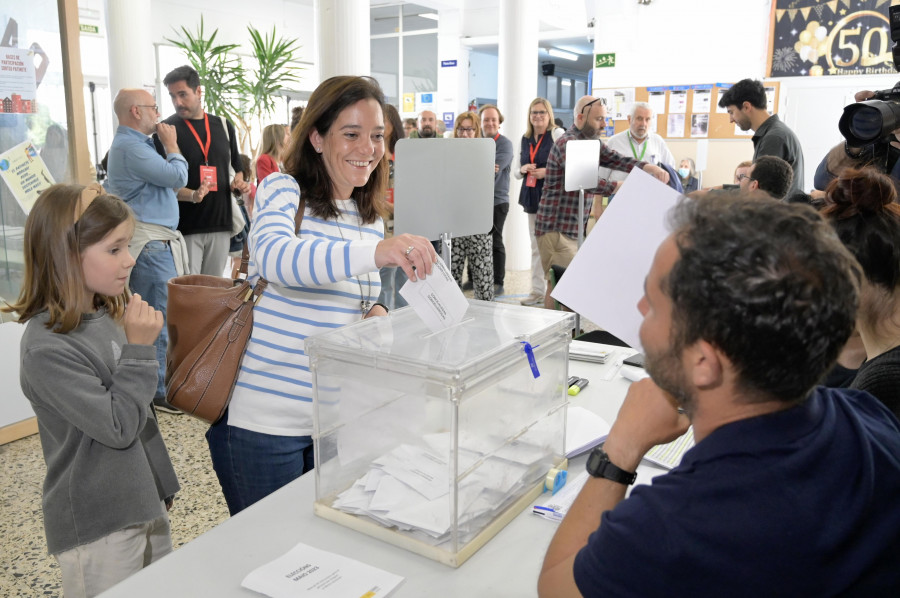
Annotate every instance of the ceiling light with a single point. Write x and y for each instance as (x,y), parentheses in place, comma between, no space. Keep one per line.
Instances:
(562,54)
(429,15)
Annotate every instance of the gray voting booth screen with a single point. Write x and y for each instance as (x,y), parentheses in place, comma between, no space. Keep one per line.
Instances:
(444,186)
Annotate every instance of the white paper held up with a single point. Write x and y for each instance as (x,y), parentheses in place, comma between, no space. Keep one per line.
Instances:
(605,281)
(305,571)
(437,298)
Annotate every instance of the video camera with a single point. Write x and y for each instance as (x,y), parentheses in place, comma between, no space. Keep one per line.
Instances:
(865,123)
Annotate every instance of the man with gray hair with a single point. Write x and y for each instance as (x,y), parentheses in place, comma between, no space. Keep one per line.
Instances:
(638,142)
(147,182)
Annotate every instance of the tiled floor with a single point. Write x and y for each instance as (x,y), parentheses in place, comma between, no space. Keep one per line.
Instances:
(25,567)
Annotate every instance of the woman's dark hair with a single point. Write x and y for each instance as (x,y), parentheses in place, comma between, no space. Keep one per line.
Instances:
(306,165)
(392,116)
(862,208)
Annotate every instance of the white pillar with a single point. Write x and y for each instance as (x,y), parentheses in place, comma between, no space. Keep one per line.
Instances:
(130,47)
(453,80)
(516,87)
(342,34)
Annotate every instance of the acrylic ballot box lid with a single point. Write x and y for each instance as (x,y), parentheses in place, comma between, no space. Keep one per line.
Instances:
(489,337)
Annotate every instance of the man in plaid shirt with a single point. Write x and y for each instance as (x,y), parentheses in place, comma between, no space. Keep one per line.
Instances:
(556,225)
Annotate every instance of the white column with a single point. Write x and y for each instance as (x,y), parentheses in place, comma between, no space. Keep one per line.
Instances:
(516,87)
(130,47)
(453,81)
(342,34)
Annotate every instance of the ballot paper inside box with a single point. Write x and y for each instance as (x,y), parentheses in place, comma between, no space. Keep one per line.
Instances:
(434,441)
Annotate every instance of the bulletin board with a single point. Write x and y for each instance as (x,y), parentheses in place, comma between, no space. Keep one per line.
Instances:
(682,111)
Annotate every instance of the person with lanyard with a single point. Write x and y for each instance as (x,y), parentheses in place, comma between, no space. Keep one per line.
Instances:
(535,150)
(210,147)
(639,142)
(318,238)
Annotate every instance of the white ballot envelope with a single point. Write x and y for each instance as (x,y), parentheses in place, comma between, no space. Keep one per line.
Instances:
(605,281)
(437,298)
(308,571)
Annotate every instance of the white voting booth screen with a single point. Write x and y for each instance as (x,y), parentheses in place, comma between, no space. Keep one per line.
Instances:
(582,163)
(605,280)
(444,186)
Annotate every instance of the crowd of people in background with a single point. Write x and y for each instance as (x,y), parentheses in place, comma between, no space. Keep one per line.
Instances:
(325,181)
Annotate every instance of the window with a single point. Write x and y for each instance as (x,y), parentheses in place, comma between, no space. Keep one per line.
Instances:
(404,50)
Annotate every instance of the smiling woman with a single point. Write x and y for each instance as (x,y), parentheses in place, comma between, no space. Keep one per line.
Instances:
(318,238)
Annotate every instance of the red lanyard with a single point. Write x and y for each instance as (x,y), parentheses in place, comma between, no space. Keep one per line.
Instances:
(497,136)
(205,149)
(532,149)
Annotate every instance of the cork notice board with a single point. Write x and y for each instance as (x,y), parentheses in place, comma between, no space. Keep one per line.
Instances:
(683,111)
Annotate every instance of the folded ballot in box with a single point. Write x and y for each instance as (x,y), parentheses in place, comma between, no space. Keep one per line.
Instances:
(433,441)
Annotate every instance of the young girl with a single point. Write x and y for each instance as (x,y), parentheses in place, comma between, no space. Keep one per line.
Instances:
(88,367)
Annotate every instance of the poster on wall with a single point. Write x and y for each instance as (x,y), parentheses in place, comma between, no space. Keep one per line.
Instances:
(17,81)
(699,125)
(25,173)
(813,38)
(675,125)
(657,100)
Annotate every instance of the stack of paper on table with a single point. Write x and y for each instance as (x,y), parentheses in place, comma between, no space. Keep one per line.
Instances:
(669,455)
(584,430)
(585,351)
(309,572)
(409,488)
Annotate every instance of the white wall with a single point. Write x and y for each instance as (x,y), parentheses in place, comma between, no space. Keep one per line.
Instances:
(231,17)
(482,75)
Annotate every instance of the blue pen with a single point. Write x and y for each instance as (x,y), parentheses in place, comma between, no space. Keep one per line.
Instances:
(548,513)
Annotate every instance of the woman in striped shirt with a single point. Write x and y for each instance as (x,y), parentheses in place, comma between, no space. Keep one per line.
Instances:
(323,274)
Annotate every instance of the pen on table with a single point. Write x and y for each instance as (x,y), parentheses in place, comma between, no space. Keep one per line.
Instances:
(547,512)
(572,380)
(576,388)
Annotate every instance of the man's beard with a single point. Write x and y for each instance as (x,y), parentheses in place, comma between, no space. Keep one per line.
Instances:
(667,372)
(589,132)
(426,132)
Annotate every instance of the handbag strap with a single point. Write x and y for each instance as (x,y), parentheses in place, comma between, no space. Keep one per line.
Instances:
(245,252)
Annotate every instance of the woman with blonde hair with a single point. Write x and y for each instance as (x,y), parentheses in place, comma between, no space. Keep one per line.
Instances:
(535,151)
(274,139)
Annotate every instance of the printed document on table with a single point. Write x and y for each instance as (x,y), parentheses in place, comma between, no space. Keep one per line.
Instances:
(436,298)
(309,572)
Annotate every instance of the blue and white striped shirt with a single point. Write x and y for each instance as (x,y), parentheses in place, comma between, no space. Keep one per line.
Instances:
(315,282)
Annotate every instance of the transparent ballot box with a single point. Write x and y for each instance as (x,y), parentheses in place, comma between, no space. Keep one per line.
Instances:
(435,441)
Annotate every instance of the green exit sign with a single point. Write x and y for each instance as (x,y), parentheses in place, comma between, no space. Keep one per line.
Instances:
(89,28)
(604,60)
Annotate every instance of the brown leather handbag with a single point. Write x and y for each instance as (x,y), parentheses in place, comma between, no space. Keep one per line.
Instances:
(209,321)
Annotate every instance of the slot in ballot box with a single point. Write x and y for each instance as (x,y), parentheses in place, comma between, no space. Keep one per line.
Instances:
(435,441)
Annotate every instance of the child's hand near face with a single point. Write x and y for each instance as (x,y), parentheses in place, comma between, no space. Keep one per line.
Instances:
(142,322)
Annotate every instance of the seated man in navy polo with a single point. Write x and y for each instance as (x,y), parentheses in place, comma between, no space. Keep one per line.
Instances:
(791,489)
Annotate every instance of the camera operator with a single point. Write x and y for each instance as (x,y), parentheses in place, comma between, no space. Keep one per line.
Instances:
(883,153)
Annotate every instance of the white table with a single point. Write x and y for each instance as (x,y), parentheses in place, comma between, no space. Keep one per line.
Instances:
(508,565)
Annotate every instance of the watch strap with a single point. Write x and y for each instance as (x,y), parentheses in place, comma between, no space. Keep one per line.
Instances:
(599,466)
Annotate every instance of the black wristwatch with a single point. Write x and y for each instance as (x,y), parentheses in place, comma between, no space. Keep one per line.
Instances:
(599,466)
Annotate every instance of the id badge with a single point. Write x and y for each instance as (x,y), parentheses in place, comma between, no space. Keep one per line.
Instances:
(208,175)
(530,181)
